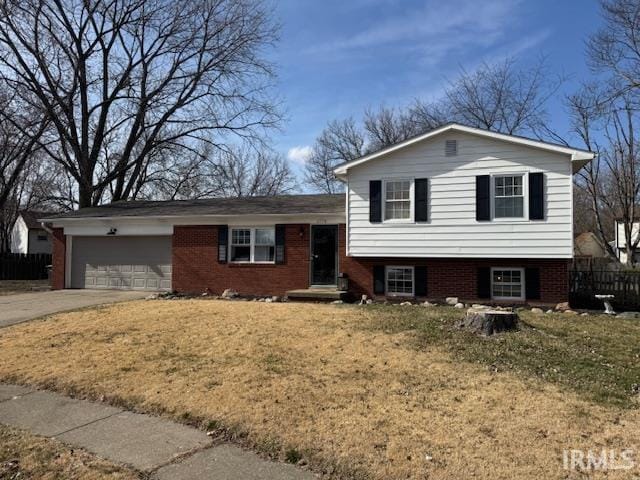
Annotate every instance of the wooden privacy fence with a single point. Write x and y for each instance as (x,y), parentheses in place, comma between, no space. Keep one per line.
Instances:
(624,285)
(19,266)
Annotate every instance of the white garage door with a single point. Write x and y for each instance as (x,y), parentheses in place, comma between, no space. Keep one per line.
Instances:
(126,263)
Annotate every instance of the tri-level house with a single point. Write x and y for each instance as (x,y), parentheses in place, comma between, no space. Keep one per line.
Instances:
(458,211)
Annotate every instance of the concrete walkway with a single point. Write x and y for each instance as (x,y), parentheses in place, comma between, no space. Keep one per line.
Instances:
(161,448)
(22,307)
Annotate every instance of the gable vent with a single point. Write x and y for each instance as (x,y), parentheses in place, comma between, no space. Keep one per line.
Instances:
(451,148)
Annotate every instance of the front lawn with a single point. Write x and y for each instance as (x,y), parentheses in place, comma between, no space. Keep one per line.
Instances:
(360,392)
(26,456)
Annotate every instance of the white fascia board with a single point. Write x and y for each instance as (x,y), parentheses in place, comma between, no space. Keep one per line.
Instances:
(163,225)
(576,155)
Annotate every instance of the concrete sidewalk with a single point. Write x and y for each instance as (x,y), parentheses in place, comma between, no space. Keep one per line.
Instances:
(159,447)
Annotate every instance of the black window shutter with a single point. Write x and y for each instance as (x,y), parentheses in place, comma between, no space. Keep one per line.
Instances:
(532,283)
(484,282)
(378,280)
(223,241)
(421,199)
(375,201)
(483,198)
(420,280)
(280,247)
(536,196)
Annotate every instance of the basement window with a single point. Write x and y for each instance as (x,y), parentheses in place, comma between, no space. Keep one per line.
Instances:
(507,283)
(253,245)
(399,281)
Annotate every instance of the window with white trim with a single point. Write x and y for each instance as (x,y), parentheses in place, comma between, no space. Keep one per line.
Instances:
(399,281)
(397,200)
(253,245)
(508,196)
(507,283)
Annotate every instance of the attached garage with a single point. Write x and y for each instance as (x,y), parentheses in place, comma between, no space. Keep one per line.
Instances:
(125,263)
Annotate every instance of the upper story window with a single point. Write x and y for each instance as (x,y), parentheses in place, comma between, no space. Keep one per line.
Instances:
(508,196)
(255,245)
(397,200)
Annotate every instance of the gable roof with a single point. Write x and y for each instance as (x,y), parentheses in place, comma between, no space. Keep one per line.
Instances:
(273,205)
(31,217)
(579,157)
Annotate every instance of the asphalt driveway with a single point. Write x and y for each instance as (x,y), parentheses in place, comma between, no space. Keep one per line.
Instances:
(27,306)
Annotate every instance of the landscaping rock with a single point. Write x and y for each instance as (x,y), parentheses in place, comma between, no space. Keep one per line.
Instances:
(584,314)
(549,311)
(562,306)
(537,311)
(337,302)
(229,293)
(428,304)
(369,301)
(275,298)
(451,300)
(570,312)
(628,315)
(459,305)
(488,322)
(153,296)
(479,305)
(406,304)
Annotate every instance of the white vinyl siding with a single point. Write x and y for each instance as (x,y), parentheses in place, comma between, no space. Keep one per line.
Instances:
(452,230)
(399,281)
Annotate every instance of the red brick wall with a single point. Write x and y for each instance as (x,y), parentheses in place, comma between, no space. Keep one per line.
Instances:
(196,268)
(58,249)
(457,276)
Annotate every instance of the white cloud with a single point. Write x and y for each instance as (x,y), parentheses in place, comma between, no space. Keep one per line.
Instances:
(299,154)
(443,27)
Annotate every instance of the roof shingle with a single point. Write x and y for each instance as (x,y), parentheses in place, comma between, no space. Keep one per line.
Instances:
(273,205)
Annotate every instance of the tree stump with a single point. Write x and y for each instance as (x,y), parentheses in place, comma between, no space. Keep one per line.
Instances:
(488,321)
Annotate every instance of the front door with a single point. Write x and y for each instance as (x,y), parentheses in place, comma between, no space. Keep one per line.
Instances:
(324,254)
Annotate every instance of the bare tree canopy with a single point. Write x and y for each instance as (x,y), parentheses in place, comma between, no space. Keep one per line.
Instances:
(605,114)
(122,80)
(237,172)
(502,98)
(339,142)
(498,97)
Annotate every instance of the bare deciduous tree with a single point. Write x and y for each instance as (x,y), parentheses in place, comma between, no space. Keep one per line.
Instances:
(121,79)
(237,172)
(339,142)
(502,98)
(605,114)
(497,97)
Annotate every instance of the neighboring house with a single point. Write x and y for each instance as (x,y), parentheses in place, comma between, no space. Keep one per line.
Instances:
(621,242)
(589,252)
(458,211)
(28,236)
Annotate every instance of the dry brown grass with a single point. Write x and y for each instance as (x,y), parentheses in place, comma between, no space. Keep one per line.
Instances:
(25,456)
(11,287)
(307,379)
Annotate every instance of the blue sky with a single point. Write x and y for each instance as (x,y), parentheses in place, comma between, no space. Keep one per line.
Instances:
(338,57)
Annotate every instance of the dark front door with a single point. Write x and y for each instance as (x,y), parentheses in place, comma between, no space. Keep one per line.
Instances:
(324,251)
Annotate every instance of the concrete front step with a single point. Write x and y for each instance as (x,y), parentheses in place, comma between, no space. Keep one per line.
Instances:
(317,294)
